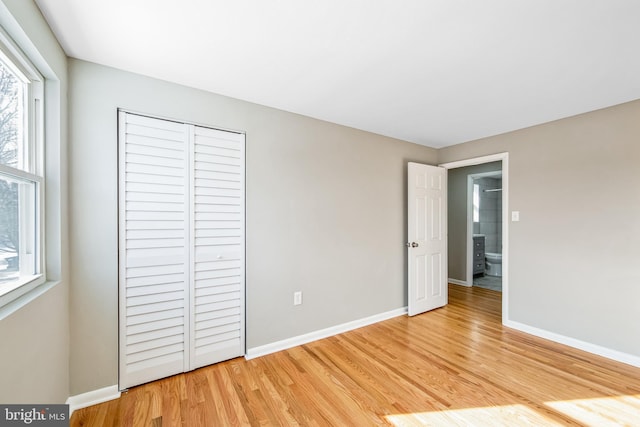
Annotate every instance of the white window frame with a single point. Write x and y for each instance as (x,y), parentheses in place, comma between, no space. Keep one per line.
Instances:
(30,171)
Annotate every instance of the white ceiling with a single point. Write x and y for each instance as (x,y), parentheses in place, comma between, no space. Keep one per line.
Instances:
(433,72)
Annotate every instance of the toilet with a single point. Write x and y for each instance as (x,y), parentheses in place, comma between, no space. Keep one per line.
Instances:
(493,264)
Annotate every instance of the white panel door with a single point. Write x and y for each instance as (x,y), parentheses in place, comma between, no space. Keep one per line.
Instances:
(181,247)
(218,250)
(427,238)
(153,254)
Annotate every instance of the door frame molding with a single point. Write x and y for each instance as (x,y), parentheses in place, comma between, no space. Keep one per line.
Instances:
(504,158)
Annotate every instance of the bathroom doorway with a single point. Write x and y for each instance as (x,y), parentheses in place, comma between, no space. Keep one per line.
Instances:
(460,220)
(484,219)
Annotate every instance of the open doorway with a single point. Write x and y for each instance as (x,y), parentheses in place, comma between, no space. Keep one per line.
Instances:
(461,224)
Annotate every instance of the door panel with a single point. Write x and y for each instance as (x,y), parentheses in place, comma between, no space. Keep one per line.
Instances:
(151,346)
(427,237)
(218,252)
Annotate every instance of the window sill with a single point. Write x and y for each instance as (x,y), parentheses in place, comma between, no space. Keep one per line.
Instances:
(19,296)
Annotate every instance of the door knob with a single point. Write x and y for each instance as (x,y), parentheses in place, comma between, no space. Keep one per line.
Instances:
(412,245)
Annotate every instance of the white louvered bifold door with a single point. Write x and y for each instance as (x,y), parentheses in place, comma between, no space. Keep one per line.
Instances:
(154,248)
(181,247)
(218,250)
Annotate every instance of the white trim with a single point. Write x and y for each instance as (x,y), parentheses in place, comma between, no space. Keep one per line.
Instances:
(94,397)
(25,294)
(263,350)
(504,158)
(186,122)
(475,161)
(469,237)
(459,282)
(616,355)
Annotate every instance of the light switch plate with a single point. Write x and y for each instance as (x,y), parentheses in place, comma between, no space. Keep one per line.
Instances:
(515,216)
(297,298)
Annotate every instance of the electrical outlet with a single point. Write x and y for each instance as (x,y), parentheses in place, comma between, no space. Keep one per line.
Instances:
(297,298)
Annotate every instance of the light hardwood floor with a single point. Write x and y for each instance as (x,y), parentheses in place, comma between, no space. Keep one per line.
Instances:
(455,366)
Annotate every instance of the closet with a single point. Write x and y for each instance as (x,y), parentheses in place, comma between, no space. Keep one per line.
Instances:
(181,247)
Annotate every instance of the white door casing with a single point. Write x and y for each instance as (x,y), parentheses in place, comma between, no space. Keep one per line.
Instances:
(504,158)
(427,238)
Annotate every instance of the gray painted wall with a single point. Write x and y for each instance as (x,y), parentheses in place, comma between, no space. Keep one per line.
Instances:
(34,354)
(573,256)
(457,205)
(326,214)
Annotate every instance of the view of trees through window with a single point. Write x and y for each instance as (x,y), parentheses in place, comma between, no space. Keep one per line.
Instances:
(11,127)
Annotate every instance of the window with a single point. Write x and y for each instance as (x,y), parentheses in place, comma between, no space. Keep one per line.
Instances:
(476,203)
(21,172)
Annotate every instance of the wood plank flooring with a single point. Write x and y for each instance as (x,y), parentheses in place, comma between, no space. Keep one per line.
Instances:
(455,366)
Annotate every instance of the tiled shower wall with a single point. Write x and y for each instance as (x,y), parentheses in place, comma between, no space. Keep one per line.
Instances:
(490,214)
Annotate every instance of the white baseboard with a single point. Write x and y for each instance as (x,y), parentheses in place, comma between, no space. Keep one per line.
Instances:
(459,282)
(94,397)
(323,333)
(616,355)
